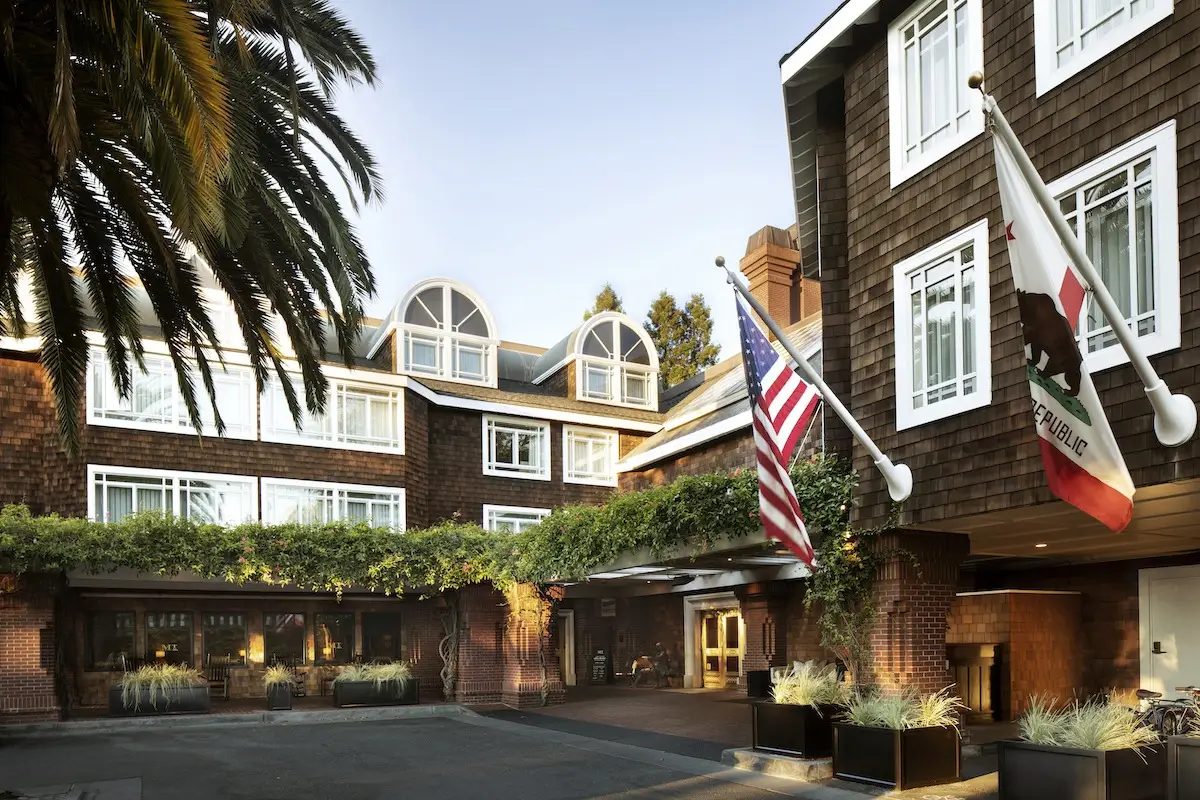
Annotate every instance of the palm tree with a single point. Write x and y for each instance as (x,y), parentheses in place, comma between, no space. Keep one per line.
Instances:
(136,130)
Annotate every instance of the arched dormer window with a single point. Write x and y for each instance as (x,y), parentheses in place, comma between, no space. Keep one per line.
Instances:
(616,362)
(447,332)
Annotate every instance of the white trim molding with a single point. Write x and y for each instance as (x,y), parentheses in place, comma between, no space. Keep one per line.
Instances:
(635,462)
(595,436)
(1145,629)
(1060,56)
(516,427)
(913,148)
(959,263)
(1157,148)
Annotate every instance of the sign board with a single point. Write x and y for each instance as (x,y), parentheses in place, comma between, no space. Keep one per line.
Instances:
(600,666)
(608,606)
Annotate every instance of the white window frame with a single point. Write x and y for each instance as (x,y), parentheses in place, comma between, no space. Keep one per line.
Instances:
(619,372)
(338,496)
(448,343)
(1158,143)
(103,408)
(491,422)
(173,489)
(902,168)
(614,444)
(1045,37)
(492,512)
(906,415)
(335,437)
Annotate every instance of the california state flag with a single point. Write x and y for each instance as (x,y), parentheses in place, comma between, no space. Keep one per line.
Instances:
(1083,464)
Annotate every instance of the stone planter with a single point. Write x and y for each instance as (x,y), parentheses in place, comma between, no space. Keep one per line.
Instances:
(1032,771)
(798,731)
(369,693)
(897,759)
(1183,768)
(279,697)
(188,700)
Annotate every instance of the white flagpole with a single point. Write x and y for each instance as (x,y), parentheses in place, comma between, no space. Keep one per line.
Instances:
(1174,414)
(898,476)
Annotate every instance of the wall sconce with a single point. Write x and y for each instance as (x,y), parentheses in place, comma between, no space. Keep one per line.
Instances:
(160,653)
(242,653)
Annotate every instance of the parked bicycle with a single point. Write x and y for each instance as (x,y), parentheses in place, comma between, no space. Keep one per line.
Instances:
(1169,717)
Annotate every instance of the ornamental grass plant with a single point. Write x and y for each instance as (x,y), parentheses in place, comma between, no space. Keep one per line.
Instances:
(396,672)
(1088,725)
(277,676)
(808,684)
(905,710)
(159,680)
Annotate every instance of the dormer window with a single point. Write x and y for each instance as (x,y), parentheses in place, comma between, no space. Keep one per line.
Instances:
(446,332)
(616,363)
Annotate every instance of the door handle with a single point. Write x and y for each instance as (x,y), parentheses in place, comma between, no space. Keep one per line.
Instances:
(1157,649)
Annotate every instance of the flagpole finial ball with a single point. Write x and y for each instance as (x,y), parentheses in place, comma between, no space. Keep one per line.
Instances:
(975,79)
(720,261)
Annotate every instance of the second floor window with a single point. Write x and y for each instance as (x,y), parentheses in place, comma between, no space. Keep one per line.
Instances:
(314,503)
(516,448)
(589,456)
(358,417)
(156,404)
(512,519)
(1069,35)
(118,492)
(931,51)
(943,340)
(1124,208)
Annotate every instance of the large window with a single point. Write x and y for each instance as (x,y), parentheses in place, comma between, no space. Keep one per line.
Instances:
(117,492)
(360,417)
(383,636)
(1070,35)
(943,338)
(333,638)
(224,638)
(155,402)
(283,638)
(589,456)
(312,503)
(516,448)
(109,638)
(169,637)
(616,363)
(447,333)
(1124,208)
(512,519)
(931,51)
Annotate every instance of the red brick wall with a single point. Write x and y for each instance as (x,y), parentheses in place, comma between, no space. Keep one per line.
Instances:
(803,632)
(27,690)
(480,645)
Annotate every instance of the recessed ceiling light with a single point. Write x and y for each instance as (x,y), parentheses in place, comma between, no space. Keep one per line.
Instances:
(729,559)
(1041,544)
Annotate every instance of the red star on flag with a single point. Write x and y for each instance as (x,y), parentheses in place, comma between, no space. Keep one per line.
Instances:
(1008,233)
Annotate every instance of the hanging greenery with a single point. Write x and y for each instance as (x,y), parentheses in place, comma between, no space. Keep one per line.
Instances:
(694,511)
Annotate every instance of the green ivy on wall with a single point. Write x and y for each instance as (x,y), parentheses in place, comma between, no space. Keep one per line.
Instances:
(694,511)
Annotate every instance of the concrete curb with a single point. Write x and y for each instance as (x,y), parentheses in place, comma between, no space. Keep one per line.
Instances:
(206,721)
(809,770)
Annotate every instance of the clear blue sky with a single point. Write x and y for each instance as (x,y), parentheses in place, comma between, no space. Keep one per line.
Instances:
(535,150)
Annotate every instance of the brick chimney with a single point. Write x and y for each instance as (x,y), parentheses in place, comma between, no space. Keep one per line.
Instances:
(770,262)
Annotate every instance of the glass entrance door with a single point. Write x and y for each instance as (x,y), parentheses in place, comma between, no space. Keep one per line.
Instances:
(721,640)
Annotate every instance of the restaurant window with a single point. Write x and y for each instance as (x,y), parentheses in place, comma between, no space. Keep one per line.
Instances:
(169,637)
(382,636)
(333,638)
(283,639)
(109,640)
(224,634)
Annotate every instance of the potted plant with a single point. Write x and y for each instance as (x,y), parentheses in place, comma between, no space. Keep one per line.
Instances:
(159,689)
(280,683)
(905,740)
(1095,749)
(798,720)
(1183,759)
(375,685)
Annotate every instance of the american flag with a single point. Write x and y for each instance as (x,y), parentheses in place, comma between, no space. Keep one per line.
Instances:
(781,405)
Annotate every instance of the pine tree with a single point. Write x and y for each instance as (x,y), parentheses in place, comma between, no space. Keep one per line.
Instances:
(682,337)
(606,300)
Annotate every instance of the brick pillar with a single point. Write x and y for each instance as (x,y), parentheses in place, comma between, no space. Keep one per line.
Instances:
(532,673)
(480,645)
(769,264)
(764,609)
(27,650)
(914,600)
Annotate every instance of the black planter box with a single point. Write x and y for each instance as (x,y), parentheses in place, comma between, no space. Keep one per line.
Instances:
(798,731)
(189,700)
(368,693)
(1033,771)
(279,697)
(1183,768)
(897,759)
(758,684)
